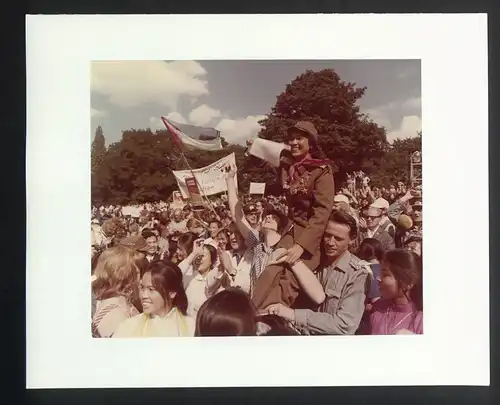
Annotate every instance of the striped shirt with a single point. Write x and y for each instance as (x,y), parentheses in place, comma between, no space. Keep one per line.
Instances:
(260,254)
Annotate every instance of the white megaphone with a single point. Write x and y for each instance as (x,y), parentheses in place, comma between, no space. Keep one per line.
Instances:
(268,151)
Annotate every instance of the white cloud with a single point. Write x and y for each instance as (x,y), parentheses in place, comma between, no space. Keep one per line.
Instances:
(98,113)
(155,123)
(407,109)
(128,84)
(239,130)
(409,127)
(203,114)
(413,103)
(379,117)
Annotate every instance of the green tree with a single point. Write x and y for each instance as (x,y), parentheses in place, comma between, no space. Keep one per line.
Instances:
(395,165)
(346,136)
(139,167)
(98,149)
(136,169)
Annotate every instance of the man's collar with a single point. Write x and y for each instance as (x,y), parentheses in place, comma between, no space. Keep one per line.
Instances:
(238,253)
(342,262)
(374,231)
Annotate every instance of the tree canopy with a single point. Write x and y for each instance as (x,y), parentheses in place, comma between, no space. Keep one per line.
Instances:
(346,135)
(98,150)
(395,165)
(138,168)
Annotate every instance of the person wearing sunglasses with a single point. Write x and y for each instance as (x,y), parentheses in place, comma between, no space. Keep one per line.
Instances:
(373,218)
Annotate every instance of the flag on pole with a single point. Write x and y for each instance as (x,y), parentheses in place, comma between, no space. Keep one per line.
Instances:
(193,137)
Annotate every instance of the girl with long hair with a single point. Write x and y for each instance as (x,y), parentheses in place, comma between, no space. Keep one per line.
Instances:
(399,311)
(164,304)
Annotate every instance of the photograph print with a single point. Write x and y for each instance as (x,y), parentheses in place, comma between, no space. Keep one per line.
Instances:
(256,198)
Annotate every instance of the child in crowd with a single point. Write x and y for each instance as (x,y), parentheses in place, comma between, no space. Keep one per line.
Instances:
(399,311)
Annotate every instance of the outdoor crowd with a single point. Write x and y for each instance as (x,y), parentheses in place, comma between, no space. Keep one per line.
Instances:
(310,262)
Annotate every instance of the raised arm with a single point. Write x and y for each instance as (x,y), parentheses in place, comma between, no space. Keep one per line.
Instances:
(215,278)
(185,265)
(397,207)
(234,203)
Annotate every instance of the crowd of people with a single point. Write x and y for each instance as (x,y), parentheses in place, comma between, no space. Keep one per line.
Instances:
(312,261)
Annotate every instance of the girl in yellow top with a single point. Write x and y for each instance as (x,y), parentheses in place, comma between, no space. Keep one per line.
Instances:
(164,303)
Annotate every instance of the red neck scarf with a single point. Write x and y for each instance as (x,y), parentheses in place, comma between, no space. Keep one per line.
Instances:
(307,160)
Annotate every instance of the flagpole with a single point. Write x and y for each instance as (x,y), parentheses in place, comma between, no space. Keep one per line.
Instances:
(179,148)
(199,185)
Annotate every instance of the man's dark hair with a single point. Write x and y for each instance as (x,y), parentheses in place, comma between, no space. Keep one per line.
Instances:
(215,221)
(371,249)
(147,233)
(230,312)
(341,217)
(278,216)
(164,220)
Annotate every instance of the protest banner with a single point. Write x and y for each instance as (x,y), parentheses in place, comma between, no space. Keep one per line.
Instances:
(211,178)
(257,188)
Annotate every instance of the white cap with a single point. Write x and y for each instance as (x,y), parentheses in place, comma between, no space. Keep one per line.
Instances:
(341,198)
(380,203)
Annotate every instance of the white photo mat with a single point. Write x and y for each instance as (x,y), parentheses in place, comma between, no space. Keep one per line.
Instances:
(454,349)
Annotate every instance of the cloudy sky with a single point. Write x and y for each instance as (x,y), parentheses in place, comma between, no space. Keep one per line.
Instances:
(233,96)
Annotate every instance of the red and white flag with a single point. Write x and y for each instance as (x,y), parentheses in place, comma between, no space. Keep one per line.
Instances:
(193,137)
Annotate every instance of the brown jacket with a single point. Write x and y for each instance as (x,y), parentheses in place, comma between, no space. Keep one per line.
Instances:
(310,202)
(310,197)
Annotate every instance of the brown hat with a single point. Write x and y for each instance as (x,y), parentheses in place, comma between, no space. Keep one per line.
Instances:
(136,242)
(307,127)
